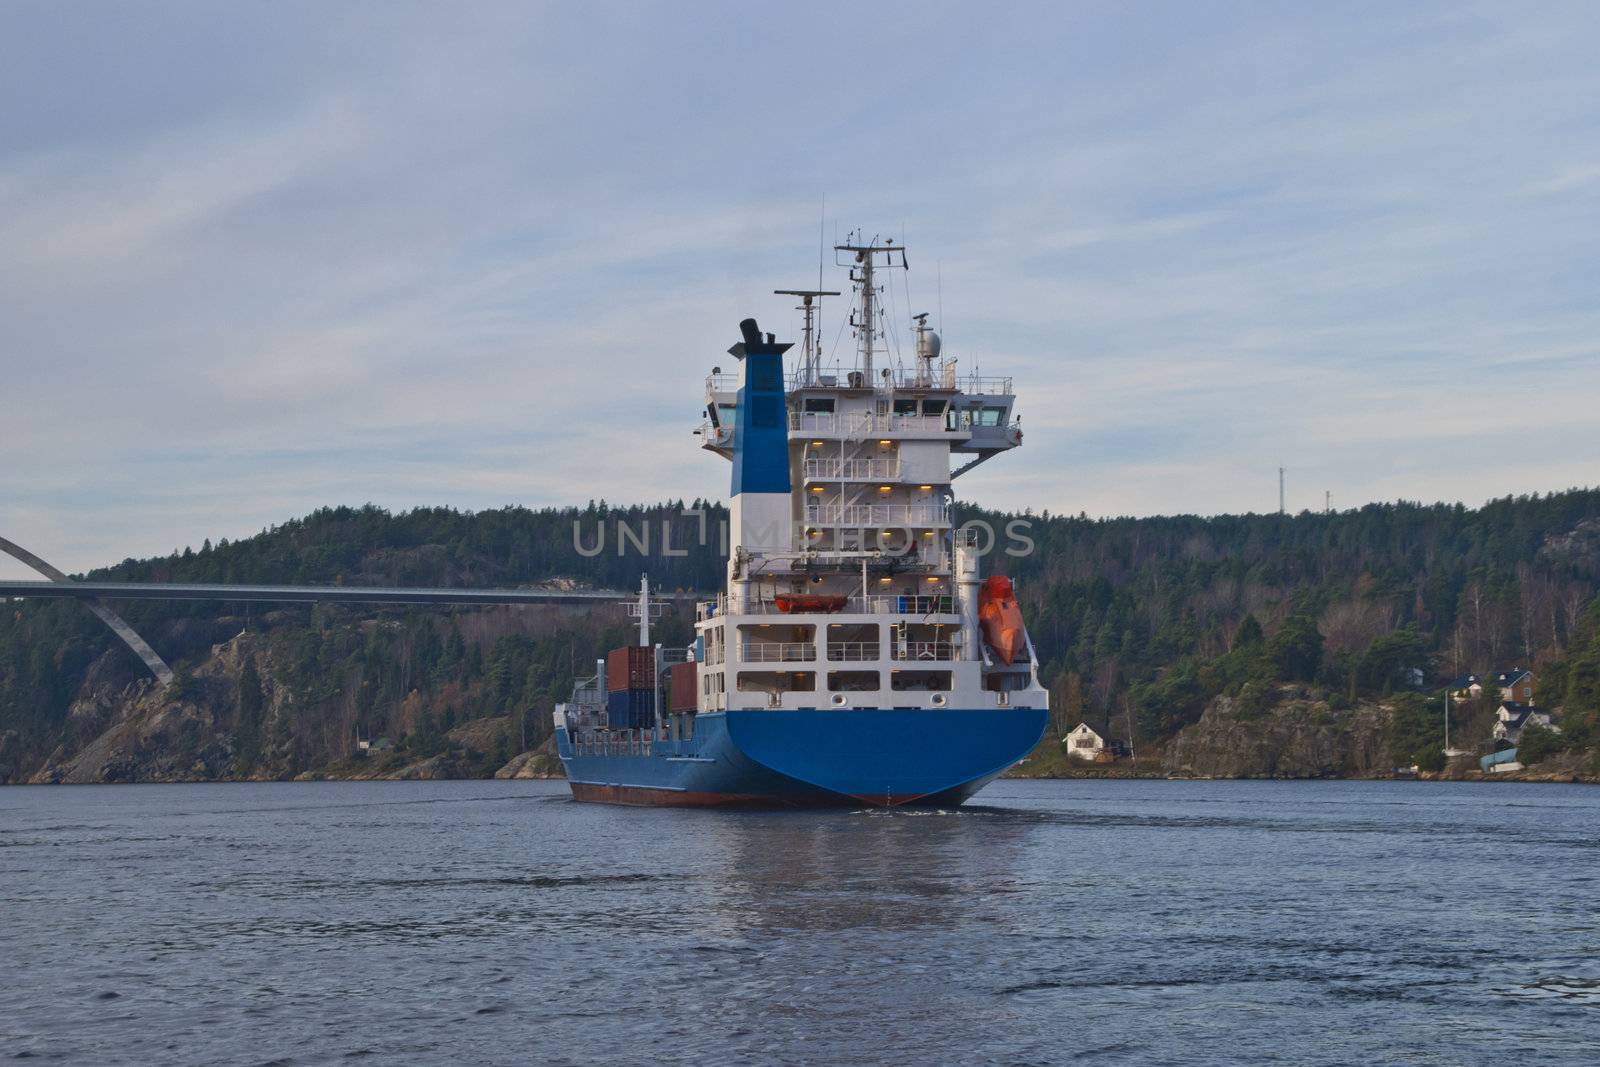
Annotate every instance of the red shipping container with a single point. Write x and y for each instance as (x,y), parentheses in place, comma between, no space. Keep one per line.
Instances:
(633,667)
(685,682)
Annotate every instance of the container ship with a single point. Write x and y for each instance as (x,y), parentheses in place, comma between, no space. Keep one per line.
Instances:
(856,655)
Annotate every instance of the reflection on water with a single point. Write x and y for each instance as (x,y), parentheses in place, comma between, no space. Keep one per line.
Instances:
(801,873)
(1134,922)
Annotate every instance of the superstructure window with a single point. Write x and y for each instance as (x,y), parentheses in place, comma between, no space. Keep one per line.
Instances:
(852,681)
(933,407)
(904,406)
(920,681)
(990,416)
(777,681)
(819,405)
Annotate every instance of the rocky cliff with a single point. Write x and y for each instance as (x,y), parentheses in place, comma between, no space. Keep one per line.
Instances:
(1290,733)
(196,731)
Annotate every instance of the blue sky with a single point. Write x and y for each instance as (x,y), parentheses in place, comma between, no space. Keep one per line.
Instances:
(261,258)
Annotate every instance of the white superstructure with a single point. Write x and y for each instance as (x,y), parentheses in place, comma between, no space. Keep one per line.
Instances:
(881,590)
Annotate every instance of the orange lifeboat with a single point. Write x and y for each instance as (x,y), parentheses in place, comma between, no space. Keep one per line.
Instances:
(790,603)
(1001,619)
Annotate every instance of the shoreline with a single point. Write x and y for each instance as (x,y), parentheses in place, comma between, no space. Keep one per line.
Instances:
(1550,777)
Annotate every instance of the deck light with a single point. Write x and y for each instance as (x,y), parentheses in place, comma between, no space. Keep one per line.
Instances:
(816,488)
(816,444)
(925,488)
(883,444)
(884,488)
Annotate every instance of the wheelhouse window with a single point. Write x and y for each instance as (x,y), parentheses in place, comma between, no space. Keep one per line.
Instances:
(819,405)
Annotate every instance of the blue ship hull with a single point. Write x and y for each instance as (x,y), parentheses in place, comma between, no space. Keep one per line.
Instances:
(879,757)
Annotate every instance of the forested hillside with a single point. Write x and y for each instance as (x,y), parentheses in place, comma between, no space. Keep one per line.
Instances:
(1140,621)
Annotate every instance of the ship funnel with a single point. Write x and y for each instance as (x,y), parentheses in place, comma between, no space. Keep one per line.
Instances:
(760,504)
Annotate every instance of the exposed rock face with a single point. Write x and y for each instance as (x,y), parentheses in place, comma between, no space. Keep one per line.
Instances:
(542,762)
(1300,736)
(191,732)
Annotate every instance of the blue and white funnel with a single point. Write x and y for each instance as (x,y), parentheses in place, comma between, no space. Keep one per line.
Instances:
(761,510)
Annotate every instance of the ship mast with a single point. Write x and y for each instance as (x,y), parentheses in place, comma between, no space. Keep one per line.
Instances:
(862,267)
(646,608)
(811,343)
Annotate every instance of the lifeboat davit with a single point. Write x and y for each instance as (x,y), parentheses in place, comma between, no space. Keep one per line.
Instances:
(790,603)
(1001,619)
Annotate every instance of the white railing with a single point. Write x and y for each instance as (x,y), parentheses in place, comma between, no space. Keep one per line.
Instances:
(864,424)
(908,604)
(779,652)
(711,434)
(923,650)
(926,553)
(852,470)
(722,383)
(940,376)
(878,514)
(887,604)
(853,651)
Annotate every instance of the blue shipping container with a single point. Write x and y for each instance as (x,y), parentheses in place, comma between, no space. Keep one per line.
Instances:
(631,709)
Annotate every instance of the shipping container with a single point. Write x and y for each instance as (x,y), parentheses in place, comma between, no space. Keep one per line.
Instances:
(631,709)
(685,687)
(633,667)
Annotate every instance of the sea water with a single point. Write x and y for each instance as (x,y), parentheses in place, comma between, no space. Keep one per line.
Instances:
(500,922)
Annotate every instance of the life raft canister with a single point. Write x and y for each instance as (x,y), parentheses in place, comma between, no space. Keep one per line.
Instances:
(1000,618)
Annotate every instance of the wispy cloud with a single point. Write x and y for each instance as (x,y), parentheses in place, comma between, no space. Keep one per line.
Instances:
(416,256)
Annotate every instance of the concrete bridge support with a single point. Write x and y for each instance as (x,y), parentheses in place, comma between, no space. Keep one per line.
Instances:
(118,624)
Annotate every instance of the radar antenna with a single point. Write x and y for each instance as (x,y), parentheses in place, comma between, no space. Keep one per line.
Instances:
(811,343)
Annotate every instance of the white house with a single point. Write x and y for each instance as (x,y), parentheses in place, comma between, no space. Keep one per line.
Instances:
(1083,743)
(1512,717)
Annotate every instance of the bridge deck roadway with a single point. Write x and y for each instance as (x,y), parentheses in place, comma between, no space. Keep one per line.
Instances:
(308,593)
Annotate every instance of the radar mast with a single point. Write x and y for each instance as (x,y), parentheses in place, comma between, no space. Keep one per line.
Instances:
(862,266)
(811,343)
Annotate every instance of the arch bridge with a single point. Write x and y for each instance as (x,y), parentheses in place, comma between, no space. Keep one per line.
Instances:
(95,593)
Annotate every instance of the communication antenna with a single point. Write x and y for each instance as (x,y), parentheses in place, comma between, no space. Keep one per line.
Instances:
(863,262)
(1281,509)
(928,345)
(811,341)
